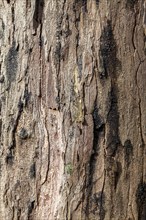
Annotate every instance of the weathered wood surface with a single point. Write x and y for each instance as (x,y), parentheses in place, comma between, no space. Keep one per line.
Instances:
(73,110)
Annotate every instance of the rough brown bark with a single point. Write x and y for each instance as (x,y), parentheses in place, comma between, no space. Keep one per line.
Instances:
(73,110)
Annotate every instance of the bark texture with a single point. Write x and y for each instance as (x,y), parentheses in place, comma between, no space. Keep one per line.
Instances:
(73,110)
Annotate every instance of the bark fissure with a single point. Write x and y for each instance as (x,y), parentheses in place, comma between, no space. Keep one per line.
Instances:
(101,210)
(38,14)
(58,49)
(134,31)
(98,130)
(113,139)
(13,213)
(139,102)
(40,59)
(13,19)
(141,200)
(31,206)
(109,64)
(48,166)
(108,50)
(10,156)
(77,20)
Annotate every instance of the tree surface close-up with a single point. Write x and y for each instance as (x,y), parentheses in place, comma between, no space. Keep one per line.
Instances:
(72,109)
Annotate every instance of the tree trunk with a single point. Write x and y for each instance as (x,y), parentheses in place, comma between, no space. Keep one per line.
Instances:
(73,110)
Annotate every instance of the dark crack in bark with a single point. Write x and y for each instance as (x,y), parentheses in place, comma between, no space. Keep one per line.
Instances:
(108,53)
(141,200)
(113,139)
(130,4)
(38,14)
(99,130)
(139,102)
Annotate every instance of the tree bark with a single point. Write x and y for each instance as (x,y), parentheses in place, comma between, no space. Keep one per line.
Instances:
(73,110)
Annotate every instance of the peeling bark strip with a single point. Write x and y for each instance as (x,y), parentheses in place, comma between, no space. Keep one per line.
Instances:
(72,110)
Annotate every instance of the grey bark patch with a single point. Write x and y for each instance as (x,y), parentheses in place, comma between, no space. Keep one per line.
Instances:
(81,4)
(113,140)
(144,44)
(84,4)
(30,207)
(28,4)
(97,3)
(98,122)
(80,66)
(57,52)
(141,200)
(2,28)
(11,64)
(23,134)
(2,78)
(32,171)
(117,174)
(97,204)
(128,149)
(26,96)
(131,3)
(10,159)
